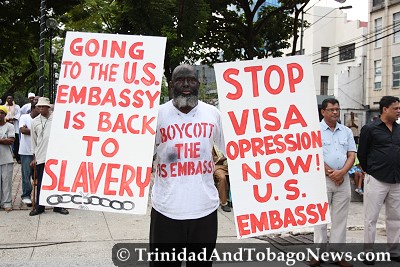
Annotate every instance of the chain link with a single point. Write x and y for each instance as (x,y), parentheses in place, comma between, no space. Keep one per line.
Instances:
(90,200)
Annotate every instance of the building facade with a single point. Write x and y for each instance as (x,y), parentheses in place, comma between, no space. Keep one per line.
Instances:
(383,65)
(337,48)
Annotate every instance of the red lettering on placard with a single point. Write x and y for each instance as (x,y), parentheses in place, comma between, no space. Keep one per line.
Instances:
(290,186)
(254,78)
(267,79)
(147,69)
(61,178)
(274,220)
(273,86)
(242,224)
(108,48)
(292,80)
(227,77)
(293,111)
(294,167)
(90,140)
(266,196)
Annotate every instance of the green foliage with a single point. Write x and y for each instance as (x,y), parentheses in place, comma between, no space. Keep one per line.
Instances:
(252,29)
(198,30)
(19,43)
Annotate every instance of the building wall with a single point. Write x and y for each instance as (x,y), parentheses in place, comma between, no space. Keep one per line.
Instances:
(329,27)
(385,53)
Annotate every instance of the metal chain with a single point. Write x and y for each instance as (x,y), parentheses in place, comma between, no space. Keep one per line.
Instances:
(92,200)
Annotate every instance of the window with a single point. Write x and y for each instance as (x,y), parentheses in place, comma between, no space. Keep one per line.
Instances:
(396,27)
(324,85)
(324,54)
(378,74)
(377,2)
(378,32)
(396,72)
(346,52)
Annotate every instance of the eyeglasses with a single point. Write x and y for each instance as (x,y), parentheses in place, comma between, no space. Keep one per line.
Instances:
(333,109)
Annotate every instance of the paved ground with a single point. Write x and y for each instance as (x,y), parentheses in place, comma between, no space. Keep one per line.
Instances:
(86,238)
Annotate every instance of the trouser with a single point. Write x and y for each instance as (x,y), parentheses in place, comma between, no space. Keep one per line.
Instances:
(27,173)
(375,194)
(194,234)
(16,148)
(6,173)
(222,185)
(39,177)
(339,201)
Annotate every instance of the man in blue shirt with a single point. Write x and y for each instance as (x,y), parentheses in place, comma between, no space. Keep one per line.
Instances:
(339,154)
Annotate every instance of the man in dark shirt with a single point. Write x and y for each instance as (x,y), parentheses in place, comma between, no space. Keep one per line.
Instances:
(379,156)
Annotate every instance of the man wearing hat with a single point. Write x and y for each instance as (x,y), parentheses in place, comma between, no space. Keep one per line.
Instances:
(26,109)
(40,134)
(7,135)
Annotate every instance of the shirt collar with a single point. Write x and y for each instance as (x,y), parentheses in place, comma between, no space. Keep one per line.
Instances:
(326,127)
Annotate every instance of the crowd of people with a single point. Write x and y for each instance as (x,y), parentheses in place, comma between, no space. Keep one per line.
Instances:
(24,137)
(378,171)
(184,207)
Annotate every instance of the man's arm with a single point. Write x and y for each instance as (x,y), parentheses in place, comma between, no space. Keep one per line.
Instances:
(9,135)
(363,146)
(25,130)
(7,141)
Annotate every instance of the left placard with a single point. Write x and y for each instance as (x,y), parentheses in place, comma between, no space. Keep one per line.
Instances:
(101,143)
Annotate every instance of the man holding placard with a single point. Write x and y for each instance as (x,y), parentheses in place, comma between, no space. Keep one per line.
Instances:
(339,154)
(184,197)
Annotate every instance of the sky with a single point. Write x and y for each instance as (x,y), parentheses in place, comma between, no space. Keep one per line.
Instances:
(359,10)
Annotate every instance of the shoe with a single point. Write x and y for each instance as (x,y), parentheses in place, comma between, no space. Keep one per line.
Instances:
(8,209)
(369,262)
(226,208)
(397,259)
(314,262)
(343,263)
(61,211)
(27,201)
(35,212)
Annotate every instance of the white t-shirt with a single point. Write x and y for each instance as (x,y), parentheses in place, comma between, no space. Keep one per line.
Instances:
(25,143)
(40,134)
(6,155)
(184,185)
(26,109)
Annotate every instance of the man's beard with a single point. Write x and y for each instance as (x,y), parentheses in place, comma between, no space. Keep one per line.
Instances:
(182,101)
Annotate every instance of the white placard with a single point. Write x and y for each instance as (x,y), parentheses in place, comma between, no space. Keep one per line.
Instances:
(102,136)
(273,144)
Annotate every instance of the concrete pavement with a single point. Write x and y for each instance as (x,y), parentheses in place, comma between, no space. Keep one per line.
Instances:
(86,238)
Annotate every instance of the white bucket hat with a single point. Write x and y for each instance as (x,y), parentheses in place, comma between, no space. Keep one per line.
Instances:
(43,101)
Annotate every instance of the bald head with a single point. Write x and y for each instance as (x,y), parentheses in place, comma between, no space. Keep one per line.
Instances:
(184,70)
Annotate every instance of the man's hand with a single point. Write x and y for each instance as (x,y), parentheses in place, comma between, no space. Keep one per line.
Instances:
(33,163)
(7,141)
(337,176)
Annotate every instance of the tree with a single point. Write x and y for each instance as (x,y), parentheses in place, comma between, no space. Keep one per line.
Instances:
(241,29)
(19,43)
